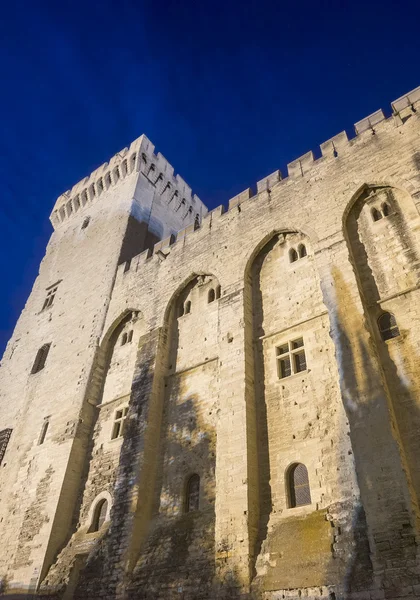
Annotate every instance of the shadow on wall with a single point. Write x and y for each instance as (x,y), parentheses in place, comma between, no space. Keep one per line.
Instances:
(176,550)
(370,262)
(324,547)
(376,446)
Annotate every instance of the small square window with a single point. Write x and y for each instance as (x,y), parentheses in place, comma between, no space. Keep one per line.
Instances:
(290,358)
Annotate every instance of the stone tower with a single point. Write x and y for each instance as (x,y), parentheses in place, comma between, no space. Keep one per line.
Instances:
(225,404)
(121,210)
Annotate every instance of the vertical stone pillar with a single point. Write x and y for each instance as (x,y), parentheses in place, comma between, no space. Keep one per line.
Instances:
(236,464)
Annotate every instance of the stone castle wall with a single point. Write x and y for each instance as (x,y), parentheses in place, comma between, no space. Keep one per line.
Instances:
(184,343)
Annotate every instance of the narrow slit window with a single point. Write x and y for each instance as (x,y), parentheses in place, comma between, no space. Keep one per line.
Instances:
(388,327)
(298,484)
(124,338)
(192,500)
(108,180)
(100,186)
(43,433)
(99,516)
(130,336)
(211,296)
(290,358)
(84,197)
(119,423)
(40,359)
(187,307)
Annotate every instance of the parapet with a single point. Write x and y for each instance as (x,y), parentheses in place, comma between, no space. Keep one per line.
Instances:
(138,158)
(330,150)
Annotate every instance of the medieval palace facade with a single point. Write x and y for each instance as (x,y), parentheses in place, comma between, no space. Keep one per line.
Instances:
(198,405)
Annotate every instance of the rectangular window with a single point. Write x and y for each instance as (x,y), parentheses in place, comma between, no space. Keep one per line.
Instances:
(290,358)
(119,422)
(49,299)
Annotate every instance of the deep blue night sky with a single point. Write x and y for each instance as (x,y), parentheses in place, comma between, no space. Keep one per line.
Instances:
(227,91)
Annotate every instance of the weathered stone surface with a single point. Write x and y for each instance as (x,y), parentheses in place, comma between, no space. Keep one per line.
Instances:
(169,359)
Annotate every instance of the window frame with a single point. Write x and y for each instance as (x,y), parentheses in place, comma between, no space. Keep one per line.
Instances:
(51,292)
(290,354)
(95,524)
(291,487)
(118,423)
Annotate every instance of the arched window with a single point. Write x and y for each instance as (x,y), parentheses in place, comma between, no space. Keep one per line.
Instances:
(388,327)
(192,499)
(99,515)
(386,210)
(376,215)
(302,250)
(293,255)
(211,296)
(124,339)
(218,292)
(298,484)
(41,357)
(187,307)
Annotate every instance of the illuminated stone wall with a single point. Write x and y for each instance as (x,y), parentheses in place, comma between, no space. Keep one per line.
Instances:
(167,365)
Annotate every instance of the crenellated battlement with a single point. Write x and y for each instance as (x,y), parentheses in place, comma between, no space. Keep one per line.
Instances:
(332,149)
(138,159)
